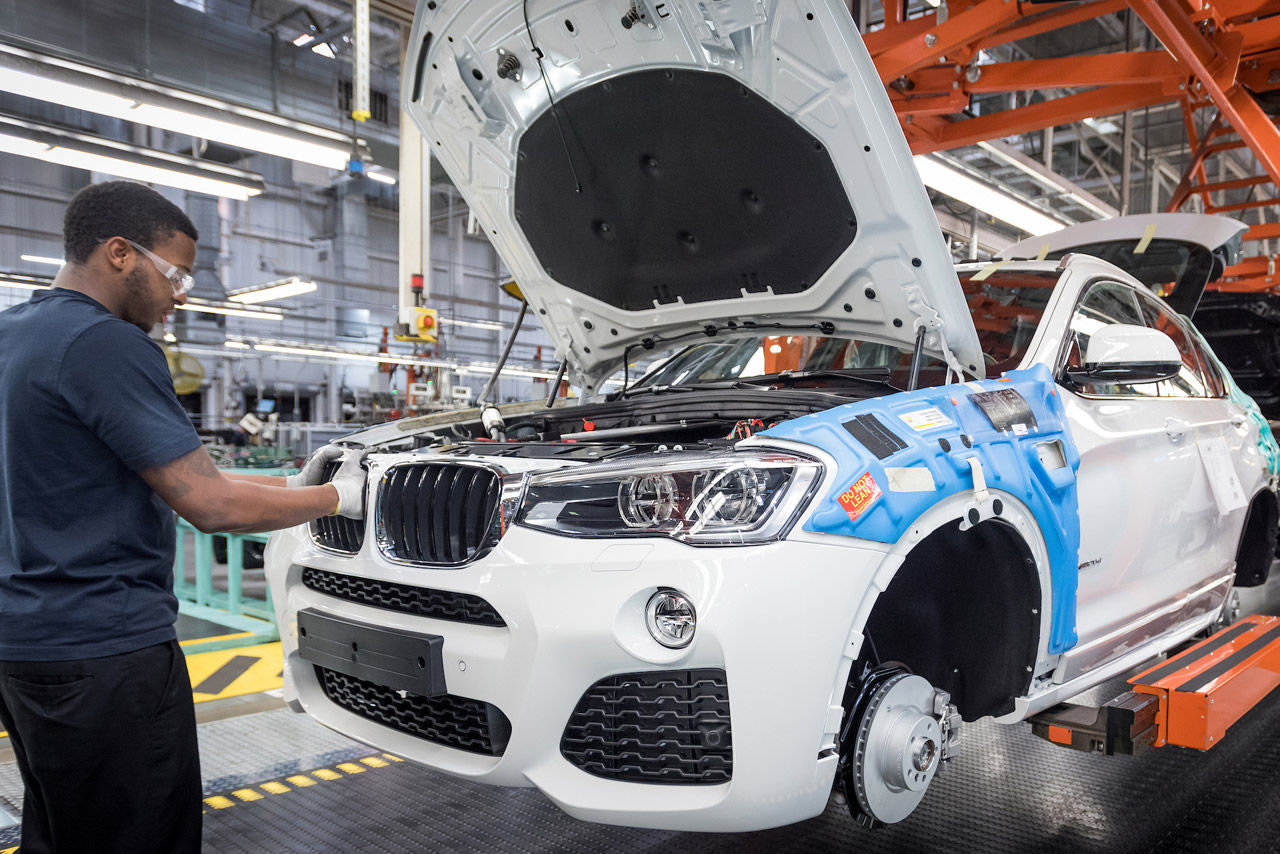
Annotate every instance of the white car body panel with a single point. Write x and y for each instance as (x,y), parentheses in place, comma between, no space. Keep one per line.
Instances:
(574,610)
(1206,230)
(815,69)
(786,619)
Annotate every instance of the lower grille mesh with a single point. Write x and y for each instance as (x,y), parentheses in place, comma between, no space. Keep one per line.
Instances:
(661,727)
(420,601)
(458,722)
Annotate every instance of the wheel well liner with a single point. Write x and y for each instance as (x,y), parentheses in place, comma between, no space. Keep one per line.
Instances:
(963,611)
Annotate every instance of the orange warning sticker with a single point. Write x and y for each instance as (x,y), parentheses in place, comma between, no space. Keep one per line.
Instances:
(856,499)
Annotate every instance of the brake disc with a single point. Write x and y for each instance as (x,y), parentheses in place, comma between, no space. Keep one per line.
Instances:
(898,748)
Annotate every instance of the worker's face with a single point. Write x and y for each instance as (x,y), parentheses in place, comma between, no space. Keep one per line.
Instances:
(149,297)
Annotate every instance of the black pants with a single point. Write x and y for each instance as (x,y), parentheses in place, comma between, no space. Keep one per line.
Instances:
(107,750)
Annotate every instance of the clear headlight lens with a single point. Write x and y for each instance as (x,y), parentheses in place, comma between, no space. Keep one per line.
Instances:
(713,498)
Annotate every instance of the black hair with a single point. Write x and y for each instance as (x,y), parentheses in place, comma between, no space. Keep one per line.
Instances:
(120,209)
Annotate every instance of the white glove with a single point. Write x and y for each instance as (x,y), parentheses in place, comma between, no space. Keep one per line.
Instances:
(312,472)
(350,482)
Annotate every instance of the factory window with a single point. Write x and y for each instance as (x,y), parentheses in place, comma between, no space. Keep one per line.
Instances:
(377,102)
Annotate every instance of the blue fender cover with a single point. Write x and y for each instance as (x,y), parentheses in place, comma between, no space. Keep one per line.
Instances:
(899,455)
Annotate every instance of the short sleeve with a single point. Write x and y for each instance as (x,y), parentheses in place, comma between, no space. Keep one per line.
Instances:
(116,380)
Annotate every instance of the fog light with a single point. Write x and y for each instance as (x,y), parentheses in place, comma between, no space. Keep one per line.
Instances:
(670,618)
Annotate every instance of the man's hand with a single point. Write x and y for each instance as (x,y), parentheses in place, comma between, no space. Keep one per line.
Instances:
(350,482)
(312,473)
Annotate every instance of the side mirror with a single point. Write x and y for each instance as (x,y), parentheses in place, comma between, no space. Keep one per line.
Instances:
(1128,355)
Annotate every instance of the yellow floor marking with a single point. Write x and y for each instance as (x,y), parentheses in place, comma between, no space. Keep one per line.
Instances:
(8,851)
(301,781)
(260,675)
(215,638)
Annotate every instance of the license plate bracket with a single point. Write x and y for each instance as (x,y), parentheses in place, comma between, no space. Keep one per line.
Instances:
(405,661)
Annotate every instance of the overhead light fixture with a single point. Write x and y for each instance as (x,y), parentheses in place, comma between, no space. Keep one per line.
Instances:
(1047,178)
(43,259)
(95,162)
(381,177)
(1102,126)
(304,40)
(351,355)
(475,324)
(324,50)
(291,287)
(17,280)
(83,87)
(210,307)
(1002,206)
(97,154)
(209,351)
(301,348)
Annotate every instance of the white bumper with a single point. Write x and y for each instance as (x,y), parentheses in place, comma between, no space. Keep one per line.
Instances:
(776,618)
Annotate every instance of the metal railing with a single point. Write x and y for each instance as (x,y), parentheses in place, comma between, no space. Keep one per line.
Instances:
(249,620)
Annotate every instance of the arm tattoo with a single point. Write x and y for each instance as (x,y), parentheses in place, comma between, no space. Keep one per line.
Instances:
(174,481)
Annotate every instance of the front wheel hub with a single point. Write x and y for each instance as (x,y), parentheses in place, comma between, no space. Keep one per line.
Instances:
(898,747)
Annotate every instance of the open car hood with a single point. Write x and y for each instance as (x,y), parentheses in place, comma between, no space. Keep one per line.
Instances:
(1176,254)
(706,167)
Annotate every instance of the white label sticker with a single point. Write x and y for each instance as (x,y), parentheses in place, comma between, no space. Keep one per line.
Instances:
(926,419)
(1227,491)
(1019,429)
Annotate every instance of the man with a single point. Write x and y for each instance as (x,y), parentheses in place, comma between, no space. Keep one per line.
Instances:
(94,689)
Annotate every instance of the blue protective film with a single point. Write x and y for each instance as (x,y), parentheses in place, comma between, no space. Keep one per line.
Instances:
(888,449)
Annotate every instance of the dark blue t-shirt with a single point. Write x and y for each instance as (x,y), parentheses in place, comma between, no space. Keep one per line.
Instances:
(86,547)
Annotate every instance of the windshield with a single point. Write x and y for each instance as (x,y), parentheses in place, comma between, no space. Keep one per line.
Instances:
(746,358)
(1175,269)
(1006,309)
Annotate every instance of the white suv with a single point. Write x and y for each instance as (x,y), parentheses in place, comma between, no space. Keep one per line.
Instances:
(812,538)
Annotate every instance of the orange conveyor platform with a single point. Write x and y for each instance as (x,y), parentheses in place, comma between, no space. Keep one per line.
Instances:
(1208,687)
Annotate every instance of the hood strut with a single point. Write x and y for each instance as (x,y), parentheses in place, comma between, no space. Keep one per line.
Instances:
(916,358)
(506,351)
(555,384)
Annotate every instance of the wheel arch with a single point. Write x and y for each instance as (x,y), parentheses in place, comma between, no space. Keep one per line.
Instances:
(937,593)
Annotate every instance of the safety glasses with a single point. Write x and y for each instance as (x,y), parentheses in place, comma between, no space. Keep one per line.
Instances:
(180,281)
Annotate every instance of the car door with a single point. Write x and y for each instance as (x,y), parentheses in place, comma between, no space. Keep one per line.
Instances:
(1147,514)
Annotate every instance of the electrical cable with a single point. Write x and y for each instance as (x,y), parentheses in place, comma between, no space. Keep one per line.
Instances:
(537,54)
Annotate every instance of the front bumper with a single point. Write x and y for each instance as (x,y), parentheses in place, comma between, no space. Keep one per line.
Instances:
(776,618)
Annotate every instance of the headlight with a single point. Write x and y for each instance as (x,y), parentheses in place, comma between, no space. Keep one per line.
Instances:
(713,498)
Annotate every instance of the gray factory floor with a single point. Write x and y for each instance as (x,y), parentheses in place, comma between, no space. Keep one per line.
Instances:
(276,781)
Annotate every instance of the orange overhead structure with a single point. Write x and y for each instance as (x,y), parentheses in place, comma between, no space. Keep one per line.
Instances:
(1216,54)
